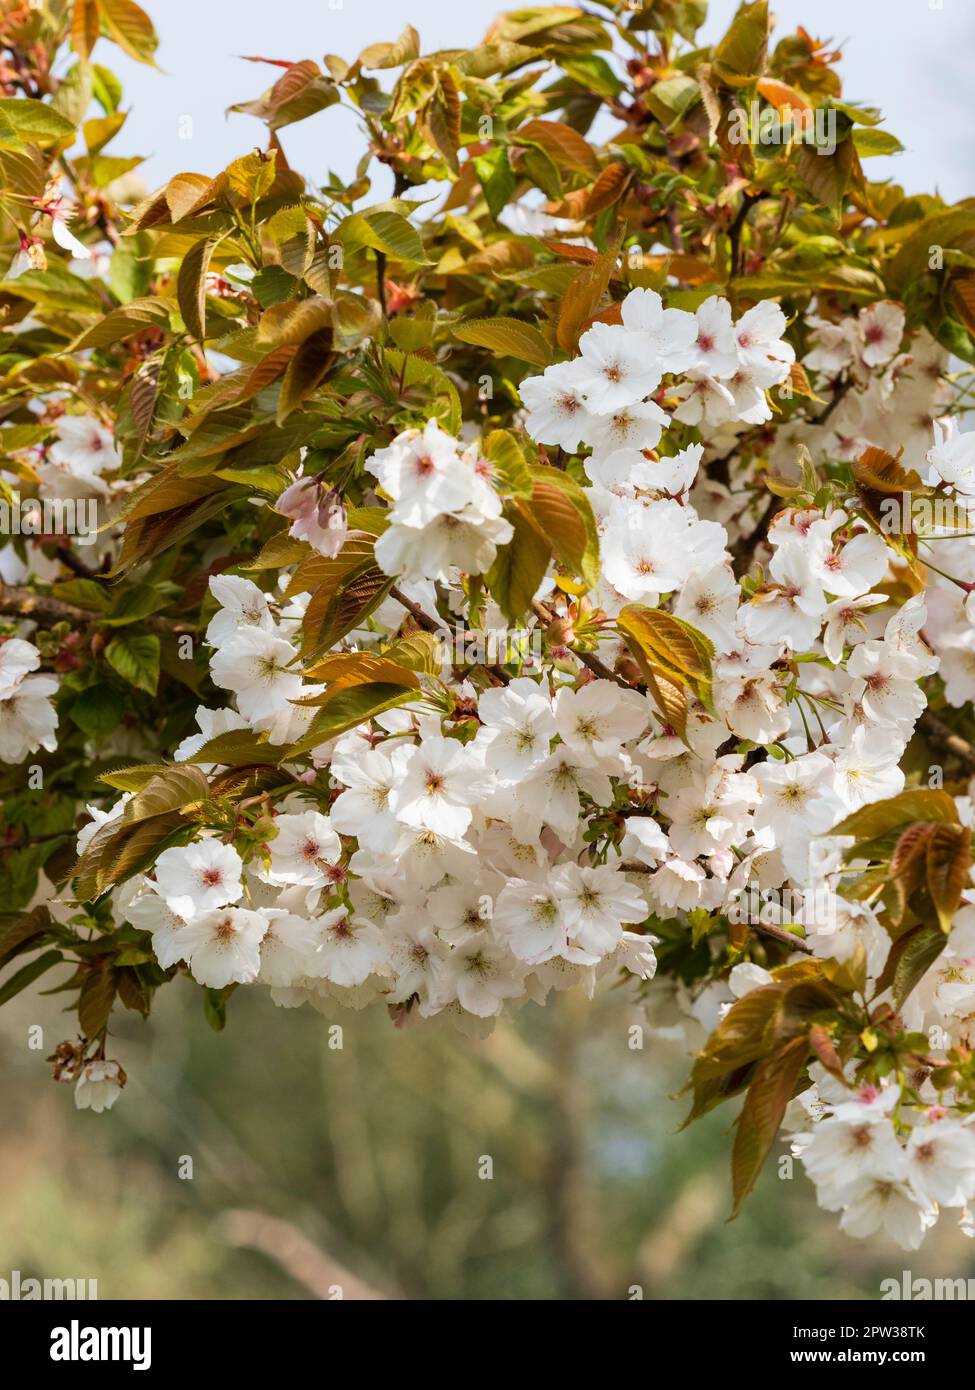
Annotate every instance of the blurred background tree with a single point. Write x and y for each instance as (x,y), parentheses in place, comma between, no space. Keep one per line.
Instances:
(315,1166)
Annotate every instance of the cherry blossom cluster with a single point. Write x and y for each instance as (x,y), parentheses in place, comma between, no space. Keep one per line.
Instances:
(444,875)
(602,398)
(75,464)
(446,515)
(493,829)
(483,844)
(28,719)
(833,739)
(888,1165)
(950,555)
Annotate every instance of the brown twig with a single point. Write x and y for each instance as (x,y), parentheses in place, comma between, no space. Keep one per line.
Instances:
(438,629)
(734,231)
(381,281)
(75,564)
(16,602)
(787,938)
(741,546)
(942,737)
(597,667)
(415,611)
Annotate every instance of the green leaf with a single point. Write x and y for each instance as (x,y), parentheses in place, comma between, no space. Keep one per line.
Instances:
(215,1006)
(191,286)
(389,232)
(671,99)
(252,176)
(507,337)
(134,604)
(497,179)
(131,28)
(17,928)
(55,288)
(855,281)
(711,1091)
(279,551)
(96,999)
(86,593)
(594,74)
(444,401)
(563,515)
(874,142)
(418,652)
(122,323)
(34,120)
(910,958)
(130,269)
(19,870)
(106,88)
(392,55)
(947,861)
(743,52)
(135,656)
(133,779)
(771,1089)
(349,709)
(511,469)
(28,974)
(957,339)
(882,817)
(98,710)
(519,567)
(273,285)
(239,748)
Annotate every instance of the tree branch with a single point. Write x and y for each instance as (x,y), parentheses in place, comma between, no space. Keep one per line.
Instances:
(16,602)
(942,737)
(415,611)
(597,667)
(381,281)
(787,938)
(428,625)
(734,232)
(739,550)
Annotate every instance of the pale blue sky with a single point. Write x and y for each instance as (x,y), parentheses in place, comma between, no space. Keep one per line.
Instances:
(913,58)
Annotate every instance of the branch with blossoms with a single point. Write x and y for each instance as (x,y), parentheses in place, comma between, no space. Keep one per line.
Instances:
(564,583)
